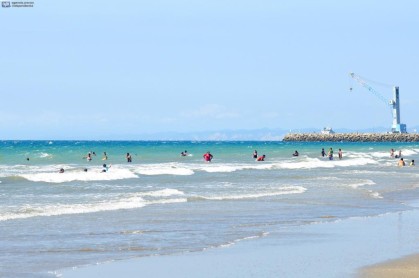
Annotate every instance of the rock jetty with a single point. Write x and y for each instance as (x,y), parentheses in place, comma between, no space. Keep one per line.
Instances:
(352,137)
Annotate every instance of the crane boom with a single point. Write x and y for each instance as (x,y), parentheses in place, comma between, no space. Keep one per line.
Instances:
(396,127)
(368,87)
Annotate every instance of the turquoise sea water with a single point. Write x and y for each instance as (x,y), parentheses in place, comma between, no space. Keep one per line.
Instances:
(163,203)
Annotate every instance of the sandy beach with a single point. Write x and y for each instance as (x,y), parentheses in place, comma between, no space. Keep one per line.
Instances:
(407,267)
(335,249)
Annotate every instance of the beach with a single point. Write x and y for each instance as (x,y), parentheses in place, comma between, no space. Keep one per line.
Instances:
(286,216)
(407,267)
(335,249)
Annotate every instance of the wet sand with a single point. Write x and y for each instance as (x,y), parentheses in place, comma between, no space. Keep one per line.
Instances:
(407,267)
(333,249)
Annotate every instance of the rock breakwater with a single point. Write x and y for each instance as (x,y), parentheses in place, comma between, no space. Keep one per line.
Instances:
(352,137)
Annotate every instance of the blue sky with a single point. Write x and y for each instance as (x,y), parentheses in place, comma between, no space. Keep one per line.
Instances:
(103,69)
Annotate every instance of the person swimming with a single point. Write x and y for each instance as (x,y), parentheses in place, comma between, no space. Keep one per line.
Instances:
(105,168)
(295,153)
(61,170)
(185,153)
(261,158)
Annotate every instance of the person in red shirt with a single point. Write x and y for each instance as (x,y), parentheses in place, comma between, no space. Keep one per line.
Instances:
(261,158)
(207,157)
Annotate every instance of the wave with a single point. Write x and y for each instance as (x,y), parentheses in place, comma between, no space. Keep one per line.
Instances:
(92,175)
(228,168)
(361,183)
(281,191)
(375,194)
(230,243)
(311,163)
(163,169)
(130,201)
(49,173)
(162,193)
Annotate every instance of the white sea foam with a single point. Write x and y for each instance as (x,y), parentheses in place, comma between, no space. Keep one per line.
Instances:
(375,194)
(44,155)
(163,193)
(79,175)
(380,154)
(163,169)
(281,191)
(312,163)
(360,183)
(305,164)
(228,168)
(130,201)
(408,152)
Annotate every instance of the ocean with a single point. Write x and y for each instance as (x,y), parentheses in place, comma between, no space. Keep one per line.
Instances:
(164,203)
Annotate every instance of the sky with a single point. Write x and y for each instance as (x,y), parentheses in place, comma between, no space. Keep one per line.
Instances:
(106,70)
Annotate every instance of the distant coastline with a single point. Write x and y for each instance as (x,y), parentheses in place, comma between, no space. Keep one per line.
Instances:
(351,137)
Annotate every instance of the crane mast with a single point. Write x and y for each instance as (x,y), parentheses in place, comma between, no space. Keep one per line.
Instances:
(396,126)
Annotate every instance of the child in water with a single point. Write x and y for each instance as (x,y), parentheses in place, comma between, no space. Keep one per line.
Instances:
(105,168)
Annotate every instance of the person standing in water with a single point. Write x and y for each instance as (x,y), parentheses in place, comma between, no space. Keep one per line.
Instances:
(105,156)
(88,157)
(207,156)
(128,157)
(330,154)
(392,153)
(401,162)
(340,153)
(255,154)
(323,153)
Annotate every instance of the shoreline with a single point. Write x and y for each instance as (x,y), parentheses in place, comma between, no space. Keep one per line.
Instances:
(340,248)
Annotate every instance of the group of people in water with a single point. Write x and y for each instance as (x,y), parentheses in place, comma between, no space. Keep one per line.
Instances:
(258,158)
(330,153)
(90,155)
(401,161)
(208,157)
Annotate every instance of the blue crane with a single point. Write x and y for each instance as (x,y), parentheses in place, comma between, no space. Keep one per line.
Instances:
(396,127)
